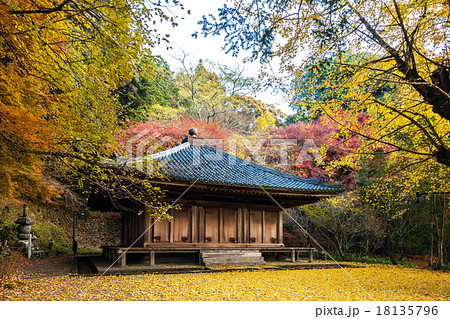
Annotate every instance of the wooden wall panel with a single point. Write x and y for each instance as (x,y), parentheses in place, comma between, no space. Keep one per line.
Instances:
(161,230)
(270,226)
(133,227)
(255,225)
(142,228)
(229,230)
(201,224)
(182,225)
(245,225)
(124,239)
(212,224)
(197,224)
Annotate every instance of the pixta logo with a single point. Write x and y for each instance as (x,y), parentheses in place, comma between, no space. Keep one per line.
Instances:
(146,147)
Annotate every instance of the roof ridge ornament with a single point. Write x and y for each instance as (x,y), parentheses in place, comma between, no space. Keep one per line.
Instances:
(191,137)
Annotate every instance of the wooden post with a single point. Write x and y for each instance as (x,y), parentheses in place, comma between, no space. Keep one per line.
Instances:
(193,224)
(310,255)
(122,225)
(152,258)
(220,224)
(147,223)
(239,225)
(280,227)
(171,226)
(201,224)
(246,223)
(123,258)
(293,255)
(263,217)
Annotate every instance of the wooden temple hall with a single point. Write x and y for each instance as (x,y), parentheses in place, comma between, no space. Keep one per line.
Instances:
(230,213)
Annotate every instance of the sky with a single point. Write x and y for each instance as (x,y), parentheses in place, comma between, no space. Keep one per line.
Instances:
(209,48)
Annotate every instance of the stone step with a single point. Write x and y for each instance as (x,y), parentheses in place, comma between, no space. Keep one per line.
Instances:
(231,257)
(231,250)
(234,264)
(236,255)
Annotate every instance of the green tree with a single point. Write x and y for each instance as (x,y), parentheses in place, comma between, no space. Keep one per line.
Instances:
(151,93)
(340,218)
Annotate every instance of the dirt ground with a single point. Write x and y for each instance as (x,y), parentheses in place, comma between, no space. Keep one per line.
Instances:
(420,261)
(56,266)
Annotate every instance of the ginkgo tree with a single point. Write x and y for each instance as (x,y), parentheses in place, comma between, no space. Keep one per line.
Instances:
(396,42)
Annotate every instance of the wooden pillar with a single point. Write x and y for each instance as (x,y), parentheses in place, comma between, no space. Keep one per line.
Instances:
(310,255)
(123,258)
(293,255)
(201,224)
(220,224)
(122,228)
(249,224)
(135,228)
(280,227)
(194,235)
(152,258)
(151,230)
(239,225)
(147,222)
(263,226)
(171,226)
(245,224)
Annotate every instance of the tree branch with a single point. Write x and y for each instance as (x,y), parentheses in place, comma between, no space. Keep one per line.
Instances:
(424,131)
(42,10)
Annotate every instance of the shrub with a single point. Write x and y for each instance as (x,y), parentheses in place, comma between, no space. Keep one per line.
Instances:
(11,266)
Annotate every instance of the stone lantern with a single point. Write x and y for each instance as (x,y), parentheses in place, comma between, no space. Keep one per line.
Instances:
(24,222)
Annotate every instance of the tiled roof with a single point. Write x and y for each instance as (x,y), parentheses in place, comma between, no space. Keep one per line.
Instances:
(208,165)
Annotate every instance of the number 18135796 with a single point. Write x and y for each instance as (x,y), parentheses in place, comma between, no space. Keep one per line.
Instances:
(407,310)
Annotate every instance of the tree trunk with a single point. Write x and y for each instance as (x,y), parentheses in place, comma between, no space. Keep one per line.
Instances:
(367,247)
(339,247)
(389,251)
(430,255)
(440,239)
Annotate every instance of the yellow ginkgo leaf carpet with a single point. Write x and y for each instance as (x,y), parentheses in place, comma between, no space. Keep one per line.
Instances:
(373,282)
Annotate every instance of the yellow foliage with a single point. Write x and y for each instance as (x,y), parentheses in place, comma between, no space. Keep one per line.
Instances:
(374,282)
(58,69)
(265,121)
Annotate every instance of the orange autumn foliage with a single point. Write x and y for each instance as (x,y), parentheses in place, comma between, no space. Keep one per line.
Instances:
(57,75)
